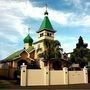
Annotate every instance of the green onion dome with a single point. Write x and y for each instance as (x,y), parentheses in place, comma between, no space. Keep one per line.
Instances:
(28,39)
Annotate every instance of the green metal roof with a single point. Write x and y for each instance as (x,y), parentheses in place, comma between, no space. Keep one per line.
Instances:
(46,25)
(16,54)
(28,39)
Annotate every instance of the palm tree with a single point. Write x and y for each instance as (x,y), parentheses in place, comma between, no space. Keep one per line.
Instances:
(52,51)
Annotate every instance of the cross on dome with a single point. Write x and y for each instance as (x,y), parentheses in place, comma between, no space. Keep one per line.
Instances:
(29,30)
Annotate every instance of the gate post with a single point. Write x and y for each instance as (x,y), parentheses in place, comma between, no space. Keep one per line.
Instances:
(46,75)
(65,70)
(23,75)
(85,75)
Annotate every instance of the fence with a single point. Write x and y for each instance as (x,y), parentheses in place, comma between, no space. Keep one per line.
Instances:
(7,73)
(30,77)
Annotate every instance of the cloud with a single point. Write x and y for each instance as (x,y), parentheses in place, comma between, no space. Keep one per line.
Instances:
(79,4)
(60,17)
(14,12)
(78,20)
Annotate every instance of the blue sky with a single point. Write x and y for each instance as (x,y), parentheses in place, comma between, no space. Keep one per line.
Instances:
(70,18)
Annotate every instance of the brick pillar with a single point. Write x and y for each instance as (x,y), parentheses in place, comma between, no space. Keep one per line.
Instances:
(85,75)
(23,75)
(65,72)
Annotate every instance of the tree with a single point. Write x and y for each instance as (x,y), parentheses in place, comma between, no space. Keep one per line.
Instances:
(81,53)
(52,51)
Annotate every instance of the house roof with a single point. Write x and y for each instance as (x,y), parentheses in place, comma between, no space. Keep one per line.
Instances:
(46,25)
(16,54)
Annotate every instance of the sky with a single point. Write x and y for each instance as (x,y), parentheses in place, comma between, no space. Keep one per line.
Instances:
(70,18)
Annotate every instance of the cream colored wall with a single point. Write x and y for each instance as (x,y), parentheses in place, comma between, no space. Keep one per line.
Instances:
(45,35)
(56,77)
(26,45)
(36,47)
(76,77)
(35,77)
(23,75)
(37,53)
(41,64)
(30,77)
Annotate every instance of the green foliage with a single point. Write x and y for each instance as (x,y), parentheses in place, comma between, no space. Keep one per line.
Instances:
(52,50)
(81,54)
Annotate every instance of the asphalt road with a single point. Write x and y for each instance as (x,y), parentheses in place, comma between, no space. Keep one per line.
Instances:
(6,84)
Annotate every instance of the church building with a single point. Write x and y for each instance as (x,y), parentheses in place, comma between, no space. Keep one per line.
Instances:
(30,53)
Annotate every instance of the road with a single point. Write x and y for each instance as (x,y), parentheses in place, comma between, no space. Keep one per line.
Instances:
(12,84)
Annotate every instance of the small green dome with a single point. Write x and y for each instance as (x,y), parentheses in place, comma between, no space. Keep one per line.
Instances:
(28,39)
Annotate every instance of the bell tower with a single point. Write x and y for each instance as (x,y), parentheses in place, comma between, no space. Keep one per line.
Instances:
(46,30)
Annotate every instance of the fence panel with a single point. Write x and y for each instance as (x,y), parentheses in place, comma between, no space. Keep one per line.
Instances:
(76,77)
(35,77)
(56,77)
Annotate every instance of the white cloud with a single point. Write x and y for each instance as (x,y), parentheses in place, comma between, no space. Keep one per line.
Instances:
(60,17)
(13,13)
(83,20)
(37,13)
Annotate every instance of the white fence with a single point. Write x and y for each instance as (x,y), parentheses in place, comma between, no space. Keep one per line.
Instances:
(35,77)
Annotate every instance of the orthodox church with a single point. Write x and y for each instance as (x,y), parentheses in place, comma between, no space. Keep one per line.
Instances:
(29,54)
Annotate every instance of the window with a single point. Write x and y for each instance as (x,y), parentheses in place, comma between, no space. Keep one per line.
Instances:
(41,34)
(50,34)
(47,34)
